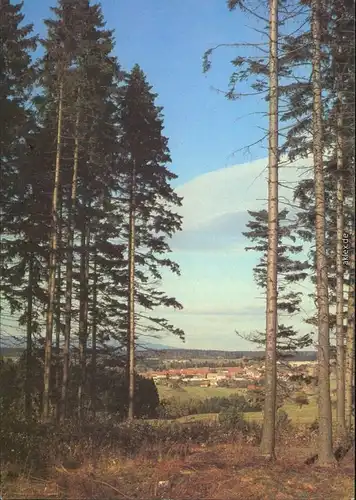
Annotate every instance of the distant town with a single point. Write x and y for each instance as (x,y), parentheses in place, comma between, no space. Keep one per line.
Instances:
(247,374)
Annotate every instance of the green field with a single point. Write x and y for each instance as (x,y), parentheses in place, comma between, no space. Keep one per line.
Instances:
(305,415)
(195,392)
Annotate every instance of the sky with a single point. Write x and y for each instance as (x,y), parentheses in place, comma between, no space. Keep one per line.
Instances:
(218,176)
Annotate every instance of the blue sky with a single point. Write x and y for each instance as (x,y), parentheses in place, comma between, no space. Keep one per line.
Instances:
(168,40)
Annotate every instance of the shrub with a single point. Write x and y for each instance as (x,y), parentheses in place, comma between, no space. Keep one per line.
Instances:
(301,399)
(283,423)
(112,390)
(232,418)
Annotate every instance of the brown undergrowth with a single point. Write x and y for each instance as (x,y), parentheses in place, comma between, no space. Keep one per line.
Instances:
(232,471)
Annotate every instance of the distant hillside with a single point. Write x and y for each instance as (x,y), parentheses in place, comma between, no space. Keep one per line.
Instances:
(11,352)
(174,353)
(144,346)
(12,348)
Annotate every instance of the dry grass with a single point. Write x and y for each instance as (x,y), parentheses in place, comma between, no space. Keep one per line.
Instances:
(229,472)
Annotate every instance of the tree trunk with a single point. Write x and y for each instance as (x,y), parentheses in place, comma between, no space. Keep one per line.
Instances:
(269,414)
(69,271)
(28,388)
(94,334)
(52,266)
(83,318)
(131,297)
(325,448)
(350,338)
(340,340)
(58,319)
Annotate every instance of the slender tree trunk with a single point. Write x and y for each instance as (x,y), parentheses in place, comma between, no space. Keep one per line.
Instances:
(69,271)
(58,335)
(350,338)
(58,318)
(269,415)
(94,334)
(95,317)
(325,448)
(28,388)
(340,335)
(52,266)
(83,318)
(131,297)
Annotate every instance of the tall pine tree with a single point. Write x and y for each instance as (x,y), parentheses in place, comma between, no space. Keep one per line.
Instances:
(150,201)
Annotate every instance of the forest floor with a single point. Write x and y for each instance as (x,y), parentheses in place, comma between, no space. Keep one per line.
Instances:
(220,472)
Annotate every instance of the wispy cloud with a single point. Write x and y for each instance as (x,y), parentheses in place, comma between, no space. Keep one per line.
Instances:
(219,233)
(236,313)
(216,287)
(215,204)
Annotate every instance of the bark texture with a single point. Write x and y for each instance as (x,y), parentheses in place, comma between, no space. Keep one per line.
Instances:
(269,416)
(340,335)
(94,336)
(131,297)
(52,266)
(69,271)
(83,317)
(350,339)
(325,448)
(28,384)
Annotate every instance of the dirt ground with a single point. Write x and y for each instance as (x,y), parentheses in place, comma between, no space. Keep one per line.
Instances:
(223,472)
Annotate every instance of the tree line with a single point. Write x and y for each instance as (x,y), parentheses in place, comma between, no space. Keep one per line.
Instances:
(305,72)
(88,206)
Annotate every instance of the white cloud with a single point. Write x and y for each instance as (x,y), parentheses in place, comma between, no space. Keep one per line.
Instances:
(216,287)
(215,204)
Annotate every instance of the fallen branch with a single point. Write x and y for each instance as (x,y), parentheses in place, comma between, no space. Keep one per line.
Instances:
(113,488)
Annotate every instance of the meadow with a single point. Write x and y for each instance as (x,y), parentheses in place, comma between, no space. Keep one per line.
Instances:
(307,414)
(195,392)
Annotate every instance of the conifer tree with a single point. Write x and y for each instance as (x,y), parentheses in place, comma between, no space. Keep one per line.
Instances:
(266,75)
(89,76)
(290,271)
(269,413)
(337,70)
(57,59)
(150,201)
(19,217)
(325,449)
(68,158)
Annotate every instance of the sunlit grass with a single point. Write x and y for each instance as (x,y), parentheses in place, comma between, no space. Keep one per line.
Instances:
(195,392)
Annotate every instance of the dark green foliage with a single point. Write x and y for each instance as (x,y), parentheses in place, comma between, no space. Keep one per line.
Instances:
(21,194)
(290,270)
(112,388)
(174,408)
(231,417)
(111,392)
(11,389)
(26,445)
(256,397)
(108,117)
(145,155)
(338,88)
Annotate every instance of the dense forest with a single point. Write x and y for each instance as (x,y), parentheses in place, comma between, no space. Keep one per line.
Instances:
(88,205)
